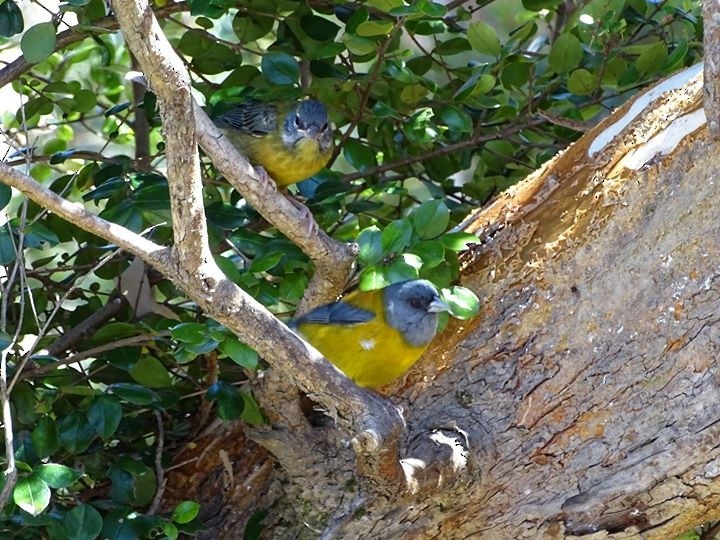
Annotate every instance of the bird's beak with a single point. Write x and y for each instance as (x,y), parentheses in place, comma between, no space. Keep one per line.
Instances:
(438,305)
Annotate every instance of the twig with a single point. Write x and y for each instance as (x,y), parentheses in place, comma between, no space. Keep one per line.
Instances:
(438,152)
(78,357)
(159,471)
(374,74)
(87,327)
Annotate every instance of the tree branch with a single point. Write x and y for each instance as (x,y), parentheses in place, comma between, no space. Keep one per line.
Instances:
(377,423)
(150,252)
(170,81)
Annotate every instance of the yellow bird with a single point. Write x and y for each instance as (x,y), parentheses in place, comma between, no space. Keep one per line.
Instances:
(291,141)
(376,336)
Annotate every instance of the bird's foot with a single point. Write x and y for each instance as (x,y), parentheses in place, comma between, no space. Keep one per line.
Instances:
(267,184)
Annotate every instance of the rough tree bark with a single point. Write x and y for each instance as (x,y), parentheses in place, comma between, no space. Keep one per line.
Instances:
(586,393)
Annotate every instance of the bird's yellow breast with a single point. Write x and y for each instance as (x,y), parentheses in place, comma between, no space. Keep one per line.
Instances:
(372,353)
(286,165)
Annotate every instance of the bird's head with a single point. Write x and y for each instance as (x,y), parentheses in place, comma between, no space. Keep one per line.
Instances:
(412,307)
(308,120)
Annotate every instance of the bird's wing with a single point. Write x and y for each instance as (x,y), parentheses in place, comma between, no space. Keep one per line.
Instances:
(252,117)
(337,313)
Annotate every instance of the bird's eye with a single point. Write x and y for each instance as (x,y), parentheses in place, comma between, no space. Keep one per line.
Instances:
(326,126)
(297,121)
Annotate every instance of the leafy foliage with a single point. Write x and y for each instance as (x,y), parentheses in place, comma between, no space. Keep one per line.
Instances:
(435,111)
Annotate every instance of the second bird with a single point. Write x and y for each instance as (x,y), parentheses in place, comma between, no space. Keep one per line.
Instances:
(375,336)
(291,141)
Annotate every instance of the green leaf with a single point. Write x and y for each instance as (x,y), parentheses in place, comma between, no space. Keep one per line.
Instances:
(483,38)
(373,277)
(396,236)
(431,9)
(38,42)
(431,252)
(319,28)
(31,494)
(45,437)
(150,372)
(83,523)
(456,119)
(75,432)
(458,241)
(516,74)
(464,304)
(254,526)
(134,393)
(251,26)
(370,246)
(266,261)
(431,219)
(374,28)
(133,482)
(477,85)
(566,54)
(240,353)
(399,270)
(251,410)
(280,68)
(24,398)
(229,401)
(359,155)
(85,101)
(104,415)
(185,512)
(7,247)
(5,195)
(57,476)
(581,82)
(385,5)
(652,59)
(11,19)
(170,530)
(189,332)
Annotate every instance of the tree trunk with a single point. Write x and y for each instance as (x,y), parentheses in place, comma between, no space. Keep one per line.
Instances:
(586,392)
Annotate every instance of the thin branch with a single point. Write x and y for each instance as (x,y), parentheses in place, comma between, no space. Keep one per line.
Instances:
(95,351)
(159,471)
(442,151)
(368,84)
(87,327)
(150,252)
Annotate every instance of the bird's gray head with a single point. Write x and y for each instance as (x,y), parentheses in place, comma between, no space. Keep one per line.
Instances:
(308,119)
(412,307)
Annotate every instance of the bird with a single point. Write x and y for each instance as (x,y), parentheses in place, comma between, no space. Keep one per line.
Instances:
(376,336)
(291,141)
